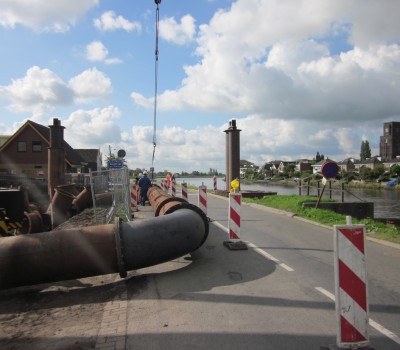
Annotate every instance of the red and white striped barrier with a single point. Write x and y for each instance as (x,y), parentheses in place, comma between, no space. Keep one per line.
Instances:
(173,187)
(185,192)
(351,290)
(215,183)
(164,185)
(203,198)
(235,203)
(133,198)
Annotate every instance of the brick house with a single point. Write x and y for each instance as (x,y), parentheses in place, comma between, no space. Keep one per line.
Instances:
(303,165)
(26,153)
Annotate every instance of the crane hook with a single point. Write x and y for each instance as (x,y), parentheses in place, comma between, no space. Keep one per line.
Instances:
(157,1)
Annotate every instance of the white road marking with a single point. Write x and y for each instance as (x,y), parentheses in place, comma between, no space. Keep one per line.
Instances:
(270,257)
(372,323)
(222,227)
(257,249)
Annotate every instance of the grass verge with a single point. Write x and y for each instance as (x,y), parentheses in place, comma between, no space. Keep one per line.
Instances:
(294,204)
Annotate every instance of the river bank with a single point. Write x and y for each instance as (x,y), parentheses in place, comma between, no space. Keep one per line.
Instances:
(351,184)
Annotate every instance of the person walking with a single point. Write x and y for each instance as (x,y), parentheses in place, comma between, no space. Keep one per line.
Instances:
(144,184)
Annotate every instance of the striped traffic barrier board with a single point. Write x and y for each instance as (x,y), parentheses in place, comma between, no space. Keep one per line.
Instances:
(203,198)
(235,203)
(352,310)
(133,197)
(173,187)
(185,192)
(164,185)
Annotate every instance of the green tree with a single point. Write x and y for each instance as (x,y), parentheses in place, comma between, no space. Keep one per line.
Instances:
(365,173)
(395,170)
(289,170)
(378,171)
(365,152)
(249,174)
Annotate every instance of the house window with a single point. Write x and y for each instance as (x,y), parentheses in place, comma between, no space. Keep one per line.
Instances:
(36,146)
(21,146)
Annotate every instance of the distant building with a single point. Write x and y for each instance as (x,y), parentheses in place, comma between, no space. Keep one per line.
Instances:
(246,165)
(347,164)
(303,165)
(371,163)
(389,146)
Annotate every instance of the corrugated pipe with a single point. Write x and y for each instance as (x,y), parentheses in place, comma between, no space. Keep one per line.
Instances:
(96,250)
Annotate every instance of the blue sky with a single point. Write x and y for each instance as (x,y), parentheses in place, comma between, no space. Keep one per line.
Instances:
(298,76)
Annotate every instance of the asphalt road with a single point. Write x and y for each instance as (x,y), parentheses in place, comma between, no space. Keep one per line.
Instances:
(275,295)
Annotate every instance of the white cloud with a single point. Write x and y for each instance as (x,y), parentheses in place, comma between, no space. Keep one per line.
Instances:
(43,15)
(196,154)
(38,92)
(91,84)
(96,51)
(113,60)
(109,21)
(178,33)
(93,128)
(276,60)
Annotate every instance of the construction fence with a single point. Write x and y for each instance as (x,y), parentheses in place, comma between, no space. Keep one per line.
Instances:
(111,195)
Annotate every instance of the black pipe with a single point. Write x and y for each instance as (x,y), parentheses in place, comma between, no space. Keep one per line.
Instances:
(151,242)
(96,250)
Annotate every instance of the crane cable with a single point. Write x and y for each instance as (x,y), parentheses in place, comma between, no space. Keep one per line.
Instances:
(155,83)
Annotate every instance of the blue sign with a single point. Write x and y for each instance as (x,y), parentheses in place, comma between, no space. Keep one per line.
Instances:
(329,170)
(115,164)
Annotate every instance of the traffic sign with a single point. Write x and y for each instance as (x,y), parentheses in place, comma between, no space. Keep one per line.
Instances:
(115,164)
(330,169)
(121,153)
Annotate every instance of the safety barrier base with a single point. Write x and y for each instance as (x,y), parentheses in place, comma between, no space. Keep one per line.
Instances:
(235,245)
(335,347)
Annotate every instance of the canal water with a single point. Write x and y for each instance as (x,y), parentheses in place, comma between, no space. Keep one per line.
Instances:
(386,201)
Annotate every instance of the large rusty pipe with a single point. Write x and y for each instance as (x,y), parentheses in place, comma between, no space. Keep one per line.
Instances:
(96,250)
(57,255)
(159,199)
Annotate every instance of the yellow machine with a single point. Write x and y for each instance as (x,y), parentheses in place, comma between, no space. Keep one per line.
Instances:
(7,226)
(11,211)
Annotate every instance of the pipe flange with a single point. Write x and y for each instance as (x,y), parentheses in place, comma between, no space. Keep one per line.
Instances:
(118,247)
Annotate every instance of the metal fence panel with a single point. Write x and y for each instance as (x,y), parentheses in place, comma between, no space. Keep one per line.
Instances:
(111,195)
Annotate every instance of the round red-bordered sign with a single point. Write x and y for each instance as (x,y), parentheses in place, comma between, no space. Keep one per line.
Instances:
(330,169)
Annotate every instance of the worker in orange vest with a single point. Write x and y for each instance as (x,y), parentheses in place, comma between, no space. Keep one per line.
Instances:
(168,177)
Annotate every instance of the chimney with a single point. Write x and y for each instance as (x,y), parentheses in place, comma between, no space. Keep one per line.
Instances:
(56,157)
